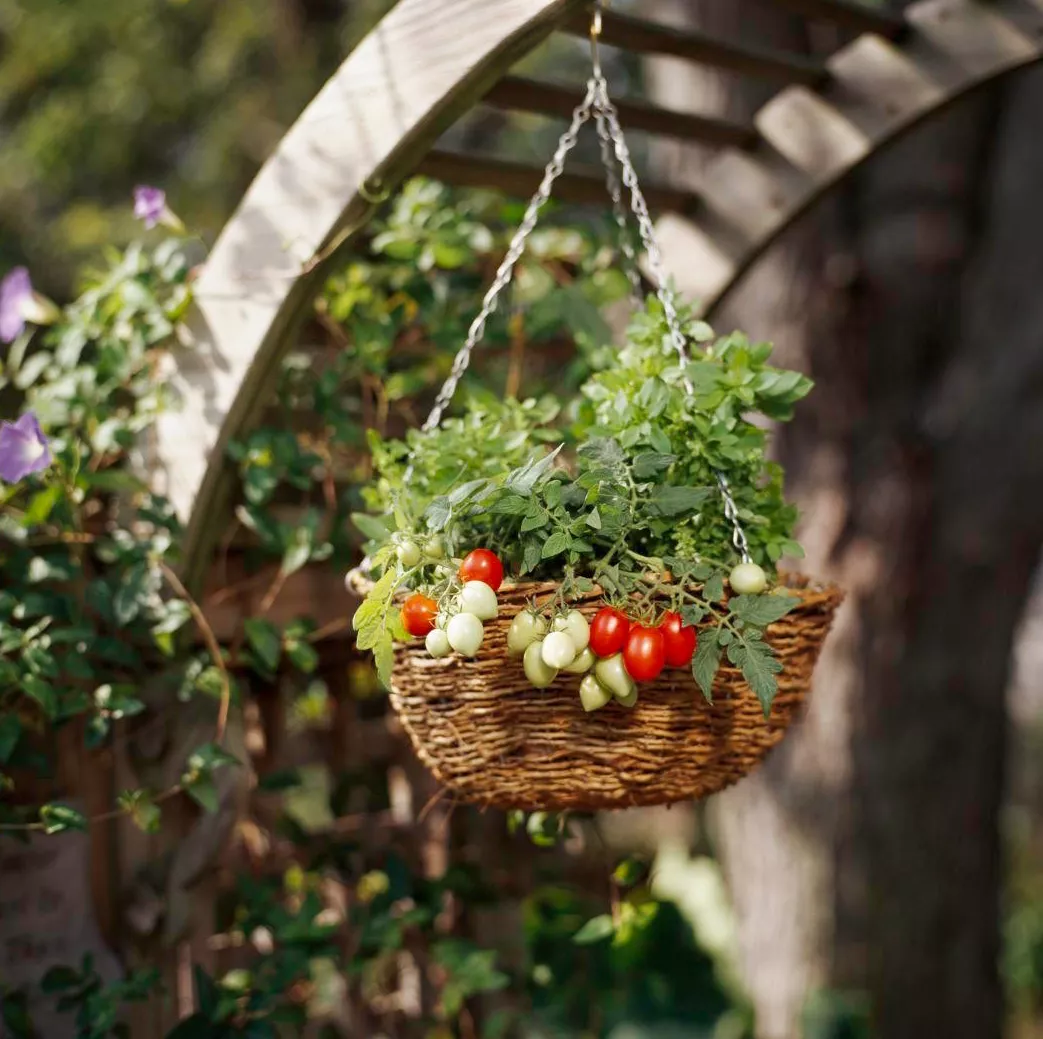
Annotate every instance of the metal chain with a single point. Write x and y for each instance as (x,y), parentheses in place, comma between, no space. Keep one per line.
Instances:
(615,190)
(605,112)
(514,254)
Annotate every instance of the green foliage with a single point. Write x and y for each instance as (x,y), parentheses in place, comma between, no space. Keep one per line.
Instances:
(629,492)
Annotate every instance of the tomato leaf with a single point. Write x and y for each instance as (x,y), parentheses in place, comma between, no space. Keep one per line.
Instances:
(705,663)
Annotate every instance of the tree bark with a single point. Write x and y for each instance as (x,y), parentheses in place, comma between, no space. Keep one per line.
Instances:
(865,855)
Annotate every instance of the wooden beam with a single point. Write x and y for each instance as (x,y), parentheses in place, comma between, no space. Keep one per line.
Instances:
(644,37)
(515,93)
(583,186)
(849,14)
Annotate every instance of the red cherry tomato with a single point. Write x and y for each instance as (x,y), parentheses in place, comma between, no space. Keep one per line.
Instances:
(678,640)
(482,565)
(644,655)
(418,615)
(608,631)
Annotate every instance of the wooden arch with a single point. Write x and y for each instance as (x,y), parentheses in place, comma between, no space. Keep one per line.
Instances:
(429,61)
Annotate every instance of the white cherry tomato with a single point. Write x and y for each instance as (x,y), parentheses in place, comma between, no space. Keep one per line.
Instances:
(558,650)
(748,579)
(437,643)
(584,661)
(575,625)
(465,634)
(525,629)
(593,695)
(537,671)
(408,554)
(478,598)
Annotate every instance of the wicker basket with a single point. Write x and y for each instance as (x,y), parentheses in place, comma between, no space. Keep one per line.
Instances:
(494,740)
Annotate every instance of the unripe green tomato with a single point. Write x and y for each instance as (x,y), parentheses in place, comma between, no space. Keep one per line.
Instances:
(525,629)
(478,598)
(537,671)
(748,579)
(612,674)
(409,554)
(628,701)
(437,643)
(584,661)
(575,625)
(593,695)
(465,633)
(435,548)
(558,650)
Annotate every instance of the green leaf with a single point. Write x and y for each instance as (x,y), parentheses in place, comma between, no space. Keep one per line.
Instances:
(652,462)
(713,589)
(705,663)
(384,658)
(10,734)
(58,817)
(130,595)
(203,792)
(597,929)
(302,655)
(759,667)
(594,519)
(144,812)
(557,543)
(298,550)
(672,501)
(373,527)
(42,692)
(761,610)
(41,504)
(60,978)
(265,640)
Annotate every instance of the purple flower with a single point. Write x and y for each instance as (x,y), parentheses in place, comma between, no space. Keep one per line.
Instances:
(23,448)
(16,294)
(150,204)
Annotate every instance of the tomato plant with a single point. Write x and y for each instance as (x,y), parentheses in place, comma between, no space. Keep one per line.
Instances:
(418,615)
(679,640)
(608,632)
(644,654)
(482,565)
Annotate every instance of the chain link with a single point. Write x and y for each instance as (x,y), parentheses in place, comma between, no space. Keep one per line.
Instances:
(615,190)
(514,254)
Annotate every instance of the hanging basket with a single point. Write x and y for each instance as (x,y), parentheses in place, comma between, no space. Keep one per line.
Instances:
(494,740)
(484,728)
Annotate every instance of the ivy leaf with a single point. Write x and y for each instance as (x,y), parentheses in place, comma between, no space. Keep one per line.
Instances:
(597,929)
(265,640)
(759,667)
(668,500)
(705,663)
(762,610)
(58,817)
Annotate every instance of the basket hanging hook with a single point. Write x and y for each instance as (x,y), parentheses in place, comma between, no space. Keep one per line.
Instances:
(595,36)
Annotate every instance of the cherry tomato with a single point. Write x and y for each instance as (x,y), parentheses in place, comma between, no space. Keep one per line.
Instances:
(608,632)
(644,655)
(748,579)
(418,615)
(679,640)
(482,565)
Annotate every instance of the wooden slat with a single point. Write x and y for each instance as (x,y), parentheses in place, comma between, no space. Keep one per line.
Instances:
(515,93)
(810,140)
(645,37)
(848,14)
(583,186)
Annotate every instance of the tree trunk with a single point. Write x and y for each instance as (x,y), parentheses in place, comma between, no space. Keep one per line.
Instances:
(865,855)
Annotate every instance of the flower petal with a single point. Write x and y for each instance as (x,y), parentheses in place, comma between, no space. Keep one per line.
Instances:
(16,291)
(23,448)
